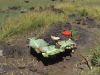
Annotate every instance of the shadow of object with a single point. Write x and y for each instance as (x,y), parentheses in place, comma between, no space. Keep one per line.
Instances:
(52,59)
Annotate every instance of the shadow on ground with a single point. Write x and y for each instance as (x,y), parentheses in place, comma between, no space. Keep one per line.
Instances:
(52,59)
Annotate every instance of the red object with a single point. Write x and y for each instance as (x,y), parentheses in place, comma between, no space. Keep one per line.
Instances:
(66,33)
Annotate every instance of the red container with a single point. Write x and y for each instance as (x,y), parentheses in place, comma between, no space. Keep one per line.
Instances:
(66,33)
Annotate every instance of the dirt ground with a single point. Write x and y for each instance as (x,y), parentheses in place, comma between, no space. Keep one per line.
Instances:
(19,60)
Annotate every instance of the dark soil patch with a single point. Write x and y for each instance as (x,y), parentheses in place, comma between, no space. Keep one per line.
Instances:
(15,8)
(53,59)
(11,51)
(7,50)
(83,34)
(87,21)
(56,31)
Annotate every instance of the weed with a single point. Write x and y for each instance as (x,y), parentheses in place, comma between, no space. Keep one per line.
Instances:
(96,59)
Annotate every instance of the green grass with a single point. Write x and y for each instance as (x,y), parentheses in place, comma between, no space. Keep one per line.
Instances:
(28,22)
(4,4)
(15,23)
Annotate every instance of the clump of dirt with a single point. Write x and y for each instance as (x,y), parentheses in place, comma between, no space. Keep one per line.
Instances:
(15,8)
(26,1)
(31,8)
(53,0)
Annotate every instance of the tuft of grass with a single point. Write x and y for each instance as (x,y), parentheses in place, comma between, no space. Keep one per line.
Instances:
(96,58)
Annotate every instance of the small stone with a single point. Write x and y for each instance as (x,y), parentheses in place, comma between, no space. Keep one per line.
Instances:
(33,69)
(21,66)
(1,52)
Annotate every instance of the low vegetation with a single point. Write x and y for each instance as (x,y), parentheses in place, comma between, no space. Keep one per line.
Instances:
(30,20)
(96,58)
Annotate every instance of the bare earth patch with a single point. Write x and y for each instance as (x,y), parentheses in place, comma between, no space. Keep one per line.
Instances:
(17,59)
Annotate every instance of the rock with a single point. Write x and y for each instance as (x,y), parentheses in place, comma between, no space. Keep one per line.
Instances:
(21,66)
(1,52)
(32,68)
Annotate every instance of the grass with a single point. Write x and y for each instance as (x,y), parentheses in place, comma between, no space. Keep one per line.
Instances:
(22,23)
(80,9)
(4,4)
(28,22)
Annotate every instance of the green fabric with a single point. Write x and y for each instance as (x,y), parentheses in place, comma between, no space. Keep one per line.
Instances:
(36,43)
(66,43)
(51,49)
